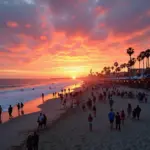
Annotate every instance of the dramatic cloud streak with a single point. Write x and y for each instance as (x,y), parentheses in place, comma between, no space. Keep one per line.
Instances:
(46,37)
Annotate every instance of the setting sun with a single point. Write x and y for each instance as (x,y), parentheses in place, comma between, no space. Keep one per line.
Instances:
(74,77)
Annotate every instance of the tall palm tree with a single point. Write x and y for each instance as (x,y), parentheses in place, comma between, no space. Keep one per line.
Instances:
(139,60)
(142,54)
(116,65)
(130,52)
(105,69)
(112,68)
(147,54)
(133,61)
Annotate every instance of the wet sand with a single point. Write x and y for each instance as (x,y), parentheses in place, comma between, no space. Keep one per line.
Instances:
(14,131)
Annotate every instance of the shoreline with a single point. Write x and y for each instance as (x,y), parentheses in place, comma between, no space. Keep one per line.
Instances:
(32,106)
(17,129)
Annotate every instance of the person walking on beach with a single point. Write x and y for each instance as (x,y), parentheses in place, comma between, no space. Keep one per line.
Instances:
(44,120)
(94,110)
(18,106)
(40,121)
(29,143)
(90,120)
(43,97)
(129,109)
(1,113)
(35,141)
(122,116)
(134,113)
(118,121)
(22,105)
(10,109)
(111,117)
(138,111)
(111,102)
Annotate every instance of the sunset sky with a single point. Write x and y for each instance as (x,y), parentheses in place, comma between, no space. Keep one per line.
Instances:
(64,38)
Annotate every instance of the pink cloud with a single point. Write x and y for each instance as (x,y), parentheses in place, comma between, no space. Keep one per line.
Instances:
(12,24)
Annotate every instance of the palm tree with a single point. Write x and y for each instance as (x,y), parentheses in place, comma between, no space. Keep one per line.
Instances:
(130,51)
(139,60)
(116,64)
(147,54)
(118,70)
(105,69)
(142,54)
(112,68)
(133,61)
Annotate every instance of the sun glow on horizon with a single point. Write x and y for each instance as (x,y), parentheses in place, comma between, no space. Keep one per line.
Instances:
(74,77)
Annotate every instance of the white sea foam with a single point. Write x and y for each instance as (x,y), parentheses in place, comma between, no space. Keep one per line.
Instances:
(12,97)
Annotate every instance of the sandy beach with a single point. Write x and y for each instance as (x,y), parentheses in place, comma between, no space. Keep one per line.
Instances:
(72,133)
(18,128)
(68,128)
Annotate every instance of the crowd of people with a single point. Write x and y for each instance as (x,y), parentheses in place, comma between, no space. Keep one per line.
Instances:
(106,96)
(10,110)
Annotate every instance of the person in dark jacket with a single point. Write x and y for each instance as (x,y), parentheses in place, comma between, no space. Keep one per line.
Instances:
(29,143)
(35,141)
(1,113)
(10,109)
(21,105)
(18,106)
(44,120)
(138,111)
(129,109)
(118,121)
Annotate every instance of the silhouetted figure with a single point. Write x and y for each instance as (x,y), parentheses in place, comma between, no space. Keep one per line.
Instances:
(90,120)
(111,102)
(122,115)
(138,111)
(10,109)
(118,121)
(44,120)
(43,97)
(21,105)
(35,141)
(134,113)
(1,113)
(29,143)
(129,109)
(18,107)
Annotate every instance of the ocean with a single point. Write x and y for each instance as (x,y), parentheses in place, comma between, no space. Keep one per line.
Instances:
(13,91)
